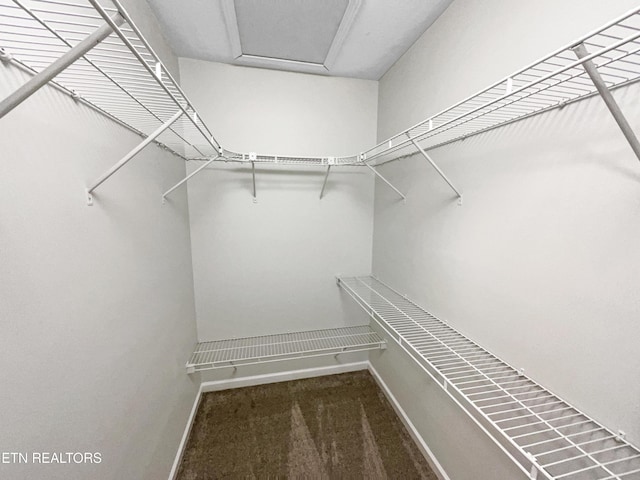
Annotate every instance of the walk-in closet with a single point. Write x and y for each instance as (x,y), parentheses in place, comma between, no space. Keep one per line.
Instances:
(301,239)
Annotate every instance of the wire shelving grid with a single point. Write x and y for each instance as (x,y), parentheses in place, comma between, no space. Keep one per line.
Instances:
(546,436)
(122,76)
(553,82)
(269,348)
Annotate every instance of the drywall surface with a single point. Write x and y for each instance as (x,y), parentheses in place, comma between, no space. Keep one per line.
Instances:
(97,318)
(540,264)
(269,267)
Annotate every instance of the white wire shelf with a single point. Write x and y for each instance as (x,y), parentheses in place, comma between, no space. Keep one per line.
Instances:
(285,346)
(230,156)
(122,77)
(546,436)
(549,83)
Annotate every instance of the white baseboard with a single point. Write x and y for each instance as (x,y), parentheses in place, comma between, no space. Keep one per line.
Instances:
(267,378)
(218,385)
(185,436)
(422,446)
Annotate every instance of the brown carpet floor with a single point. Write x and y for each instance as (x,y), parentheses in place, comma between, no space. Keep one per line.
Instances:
(338,426)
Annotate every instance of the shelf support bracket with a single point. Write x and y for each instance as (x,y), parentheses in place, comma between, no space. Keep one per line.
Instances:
(362,160)
(253,175)
(186,179)
(132,153)
(324,184)
(45,76)
(581,52)
(440,172)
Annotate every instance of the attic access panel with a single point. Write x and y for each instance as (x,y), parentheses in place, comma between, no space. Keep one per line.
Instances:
(300,31)
(279,33)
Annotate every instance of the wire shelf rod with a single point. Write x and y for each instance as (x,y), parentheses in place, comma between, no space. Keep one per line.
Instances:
(598,465)
(550,452)
(569,459)
(520,409)
(623,475)
(528,425)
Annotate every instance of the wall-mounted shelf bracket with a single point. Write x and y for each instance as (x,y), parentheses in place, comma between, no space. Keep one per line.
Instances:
(192,174)
(533,472)
(581,52)
(363,161)
(134,152)
(440,172)
(45,76)
(253,177)
(324,184)
(5,56)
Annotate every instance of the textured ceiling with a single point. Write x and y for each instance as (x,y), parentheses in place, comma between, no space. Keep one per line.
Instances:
(349,38)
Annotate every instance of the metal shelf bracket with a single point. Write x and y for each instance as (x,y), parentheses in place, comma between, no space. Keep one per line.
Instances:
(127,158)
(440,172)
(324,184)
(363,161)
(5,56)
(192,174)
(581,52)
(533,473)
(253,177)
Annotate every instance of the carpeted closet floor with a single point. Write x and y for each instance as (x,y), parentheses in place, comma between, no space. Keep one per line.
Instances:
(339,426)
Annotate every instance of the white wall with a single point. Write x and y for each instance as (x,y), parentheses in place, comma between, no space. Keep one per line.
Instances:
(97,317)
(269,267)
(540,265)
